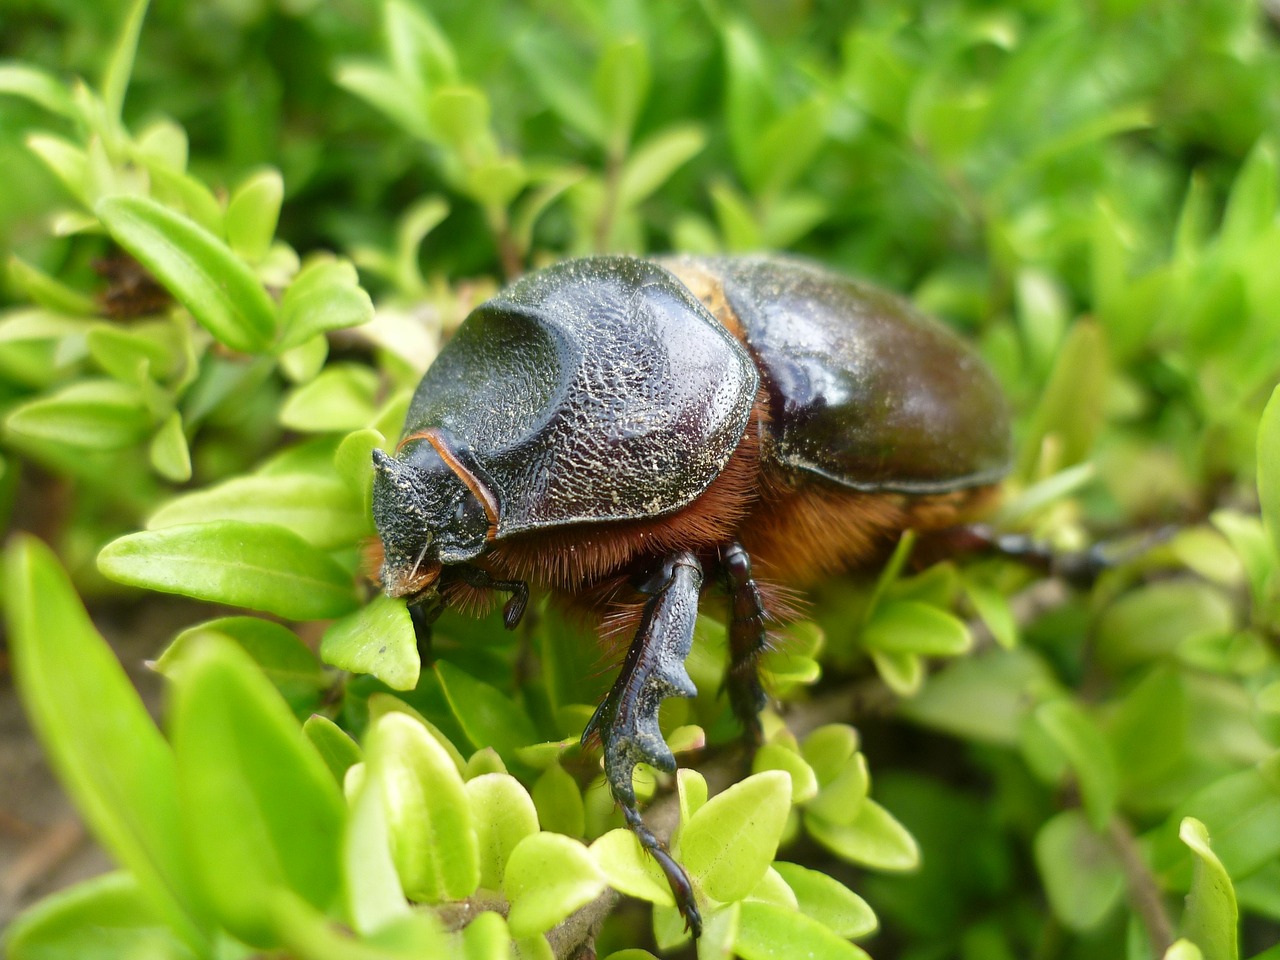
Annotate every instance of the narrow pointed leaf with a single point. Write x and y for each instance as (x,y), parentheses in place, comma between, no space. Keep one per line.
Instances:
(258,566)
(197,268)
(96,731)
(106,918)
(320,509)
(261,809)
(1212,916)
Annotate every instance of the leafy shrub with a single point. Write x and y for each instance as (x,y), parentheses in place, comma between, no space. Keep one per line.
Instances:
(1089,191)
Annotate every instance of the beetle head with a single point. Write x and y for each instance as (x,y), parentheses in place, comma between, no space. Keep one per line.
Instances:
(425,516)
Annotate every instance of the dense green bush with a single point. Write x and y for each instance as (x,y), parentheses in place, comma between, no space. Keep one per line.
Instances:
(191,388)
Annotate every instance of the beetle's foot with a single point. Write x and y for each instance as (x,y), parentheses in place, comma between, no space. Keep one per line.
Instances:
(626,722)
(747,642)
(677,879)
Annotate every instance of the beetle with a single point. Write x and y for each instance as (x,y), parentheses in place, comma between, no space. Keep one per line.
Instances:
(624,431)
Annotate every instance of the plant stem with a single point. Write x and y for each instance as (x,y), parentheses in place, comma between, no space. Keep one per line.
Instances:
(1144,891)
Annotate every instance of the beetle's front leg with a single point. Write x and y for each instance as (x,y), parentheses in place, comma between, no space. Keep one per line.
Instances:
(627,720)
(747,640)
(515,606)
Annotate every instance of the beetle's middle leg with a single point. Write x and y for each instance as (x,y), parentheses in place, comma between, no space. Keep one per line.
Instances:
(627,719)
(747,641)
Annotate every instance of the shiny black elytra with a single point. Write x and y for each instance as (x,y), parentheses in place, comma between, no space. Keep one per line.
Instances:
(620,431)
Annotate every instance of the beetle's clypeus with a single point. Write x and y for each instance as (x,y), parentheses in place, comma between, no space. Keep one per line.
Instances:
(624,432)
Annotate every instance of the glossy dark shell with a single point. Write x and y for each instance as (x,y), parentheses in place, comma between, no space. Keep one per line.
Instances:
(864,390)
(594,390)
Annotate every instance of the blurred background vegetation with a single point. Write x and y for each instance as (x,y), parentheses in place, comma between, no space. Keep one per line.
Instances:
(1088,190)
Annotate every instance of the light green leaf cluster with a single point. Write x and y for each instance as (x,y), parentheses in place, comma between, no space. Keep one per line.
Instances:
(234,828)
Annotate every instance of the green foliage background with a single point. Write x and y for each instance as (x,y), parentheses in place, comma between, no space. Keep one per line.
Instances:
(1087,190)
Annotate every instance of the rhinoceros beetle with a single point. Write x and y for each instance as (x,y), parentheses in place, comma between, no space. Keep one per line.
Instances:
(623,431)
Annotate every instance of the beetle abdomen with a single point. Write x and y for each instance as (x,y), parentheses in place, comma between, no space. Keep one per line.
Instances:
(595,390)
(864,391)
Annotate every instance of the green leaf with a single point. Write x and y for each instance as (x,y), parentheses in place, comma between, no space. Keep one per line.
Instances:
(285,660)
(840,798)
(984,698)
(1082,875)
(993,607)
(381,704)
(787,147)
(1211,918)
(68,162)
(559,802)
(381,88)
(873,838)
(258,566)
(1248,537)
(1269,470)
(95,415)
(653,162)
(503,814)
(261,810)
(335,746)
(325,295)
(770,932)
(183,193)
(1241,811)
(691,787)
(487,715)
(827,750)
(485,760)
(828,901)
(197,268)
(43,289)
(106,918)
(115,80)
(776,756)
(1251,207)
(903,673)
(629,869)
(432,833)
(621,84)
(749,89)
(305,361)
(738,226)
(1071,411)
(97,734)
(321,509)
(1088,753)
(905,626)
(168,451)
(420,53)
(252,213)
(547,878)
(373,892)
(728,844)
(353,462)
(377,639)
(340,400)
(306,932)
(37,86)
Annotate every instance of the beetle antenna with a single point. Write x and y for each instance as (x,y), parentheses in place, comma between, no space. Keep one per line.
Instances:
(417,563)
